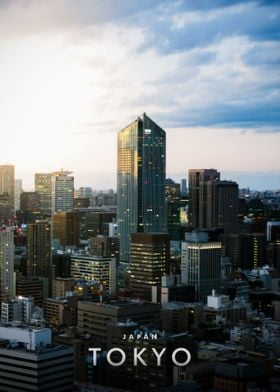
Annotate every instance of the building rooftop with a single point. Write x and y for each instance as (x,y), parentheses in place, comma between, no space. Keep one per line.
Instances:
(120,304)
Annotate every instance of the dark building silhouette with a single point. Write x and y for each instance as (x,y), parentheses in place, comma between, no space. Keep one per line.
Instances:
(198,196)
(66,227)
(39,249)
(173,201)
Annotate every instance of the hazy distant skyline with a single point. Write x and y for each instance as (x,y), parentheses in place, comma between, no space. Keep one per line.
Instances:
(73,73)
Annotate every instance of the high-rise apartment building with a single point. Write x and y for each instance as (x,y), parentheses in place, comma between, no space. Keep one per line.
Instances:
(198,195)
(7,184)
(141,181)
(201,264)
(95,268)
(6,264)
(18,309)
(149,259)
(62,191)
(39,249)
(43,186)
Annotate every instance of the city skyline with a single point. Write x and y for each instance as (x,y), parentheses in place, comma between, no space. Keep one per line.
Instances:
(74,73)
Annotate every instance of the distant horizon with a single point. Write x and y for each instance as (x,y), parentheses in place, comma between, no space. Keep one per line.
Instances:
(74,73)
(258,181)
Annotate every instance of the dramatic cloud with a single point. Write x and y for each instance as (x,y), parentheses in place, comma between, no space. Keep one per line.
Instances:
(80,70)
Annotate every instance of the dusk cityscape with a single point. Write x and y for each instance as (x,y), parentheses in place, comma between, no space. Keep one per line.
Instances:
(140,196)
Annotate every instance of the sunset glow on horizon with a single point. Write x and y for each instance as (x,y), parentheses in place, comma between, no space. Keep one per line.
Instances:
(74,73)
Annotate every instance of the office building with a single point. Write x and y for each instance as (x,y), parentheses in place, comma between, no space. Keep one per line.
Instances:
(242,374)
(252,250)
(220,308)
(212,203)
(154,376)
(95,268)
(94,317)
(149,261)
(61,310)
(60,286)
(80,202)
(30,202)
(102,198)
(95,221)
(62,191)
(61,264)
(85,193)
(245,250)
(43,186)
(7,184)
(184,189)
(35,287)
(100,246)
(6,210)
(29,362)
(173,204)
(181,316)
(273,231)
(66,227)
(6,264)
(201,264)
(222,206)
(141,181)
(18,191)
(198,194)
(39,249)
(173,290)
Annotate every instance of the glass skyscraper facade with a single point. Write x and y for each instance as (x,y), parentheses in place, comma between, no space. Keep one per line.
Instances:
(141,181)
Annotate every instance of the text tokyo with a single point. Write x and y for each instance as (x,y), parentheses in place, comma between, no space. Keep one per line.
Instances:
(137,356)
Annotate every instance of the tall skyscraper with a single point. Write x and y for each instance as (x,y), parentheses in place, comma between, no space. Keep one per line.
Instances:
(173,204)
(141,181)
(6,209)
(149,262)
(7,184)
(212,203)
(62,191)
(39,249)
(6,264)
(43,186)
(222,206)
(184,187)
(201,264)
(198,195)
(18,191)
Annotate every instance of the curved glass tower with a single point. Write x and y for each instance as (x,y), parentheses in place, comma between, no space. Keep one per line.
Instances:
(141,181)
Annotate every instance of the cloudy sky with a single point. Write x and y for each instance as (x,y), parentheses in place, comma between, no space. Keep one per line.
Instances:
(74,72)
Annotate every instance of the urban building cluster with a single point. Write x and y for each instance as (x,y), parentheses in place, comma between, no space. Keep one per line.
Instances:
(196,264)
